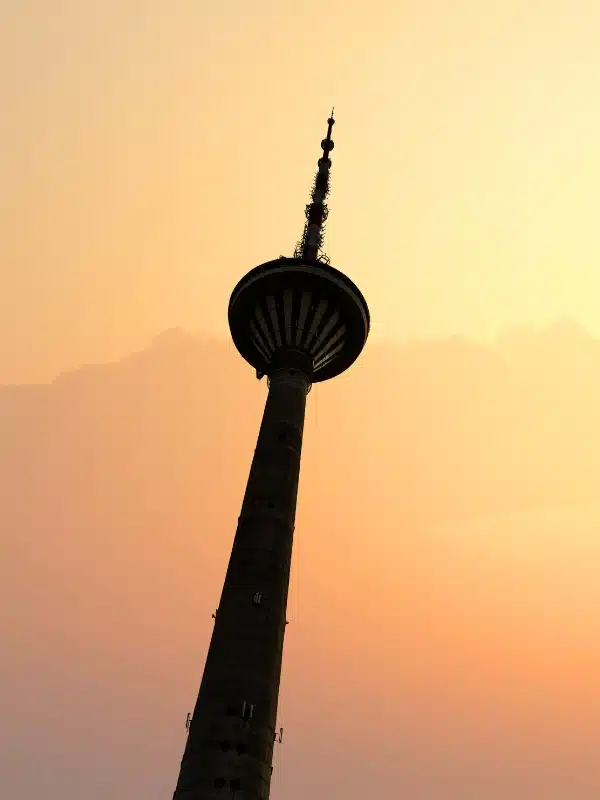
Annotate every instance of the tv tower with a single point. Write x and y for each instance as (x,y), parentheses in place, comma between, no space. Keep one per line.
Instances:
(297,321)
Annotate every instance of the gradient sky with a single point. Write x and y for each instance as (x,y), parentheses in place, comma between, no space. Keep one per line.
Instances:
(151,153)
(444,604)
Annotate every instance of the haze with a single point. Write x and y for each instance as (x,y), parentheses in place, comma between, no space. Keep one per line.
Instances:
(444,608)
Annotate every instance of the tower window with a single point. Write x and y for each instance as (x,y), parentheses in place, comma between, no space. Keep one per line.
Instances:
(247,710)
(257,599)
(235,784)
(219,783)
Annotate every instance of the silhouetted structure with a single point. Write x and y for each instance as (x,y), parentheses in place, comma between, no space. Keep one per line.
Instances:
(297,320)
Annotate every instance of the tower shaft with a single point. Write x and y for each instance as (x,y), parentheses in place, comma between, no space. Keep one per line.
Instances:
(299,321)
(229,749)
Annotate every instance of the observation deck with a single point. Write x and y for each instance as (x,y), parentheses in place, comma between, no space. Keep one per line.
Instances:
(300,314)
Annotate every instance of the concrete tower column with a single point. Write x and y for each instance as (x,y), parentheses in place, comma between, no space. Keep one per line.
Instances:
(299,321)
(232,730)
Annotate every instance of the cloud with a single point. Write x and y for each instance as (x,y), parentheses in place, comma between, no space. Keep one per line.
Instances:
(433,648)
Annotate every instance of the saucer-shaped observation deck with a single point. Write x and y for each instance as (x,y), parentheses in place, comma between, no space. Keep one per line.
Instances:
(298,313)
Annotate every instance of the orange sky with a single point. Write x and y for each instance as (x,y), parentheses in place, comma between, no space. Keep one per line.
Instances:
(152,152)
(444,601)
(444,605)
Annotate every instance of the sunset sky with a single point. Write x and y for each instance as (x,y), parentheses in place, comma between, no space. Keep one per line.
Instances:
(153,151)
(444,607)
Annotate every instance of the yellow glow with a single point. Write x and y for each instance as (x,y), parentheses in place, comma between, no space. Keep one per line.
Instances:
(151,153)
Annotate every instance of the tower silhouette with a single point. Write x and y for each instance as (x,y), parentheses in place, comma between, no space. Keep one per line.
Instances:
(297,321)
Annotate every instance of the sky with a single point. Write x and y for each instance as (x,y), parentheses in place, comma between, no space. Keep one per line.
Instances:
(444,606)
(152,152)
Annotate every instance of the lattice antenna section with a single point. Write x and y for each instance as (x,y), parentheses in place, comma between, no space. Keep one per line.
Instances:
(310,245)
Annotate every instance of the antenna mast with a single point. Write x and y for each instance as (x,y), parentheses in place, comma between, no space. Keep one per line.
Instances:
(310,245)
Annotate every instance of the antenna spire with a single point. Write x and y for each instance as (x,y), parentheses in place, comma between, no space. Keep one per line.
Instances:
(310,246)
